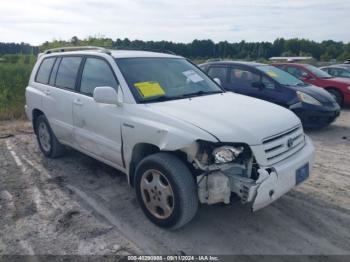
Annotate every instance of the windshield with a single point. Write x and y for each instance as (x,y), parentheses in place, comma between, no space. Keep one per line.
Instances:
(317,72)
(162,79)
(280,76)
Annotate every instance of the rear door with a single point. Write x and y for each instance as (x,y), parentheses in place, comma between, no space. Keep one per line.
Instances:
(97,127)
(59,96)
(42,80)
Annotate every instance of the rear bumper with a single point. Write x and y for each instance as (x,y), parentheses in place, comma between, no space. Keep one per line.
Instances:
(271,186)
(28,113)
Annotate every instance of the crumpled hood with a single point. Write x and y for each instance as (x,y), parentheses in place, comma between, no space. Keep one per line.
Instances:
(231,117)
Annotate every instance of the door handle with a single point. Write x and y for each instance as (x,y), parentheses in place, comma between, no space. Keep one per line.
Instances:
(78,102)
(48,92)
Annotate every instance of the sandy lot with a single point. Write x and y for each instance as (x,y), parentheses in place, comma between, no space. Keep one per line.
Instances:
(77,205)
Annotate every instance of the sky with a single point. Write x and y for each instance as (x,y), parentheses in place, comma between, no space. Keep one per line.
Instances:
(37,21)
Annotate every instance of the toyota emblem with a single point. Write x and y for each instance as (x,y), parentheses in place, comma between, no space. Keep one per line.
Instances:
(290,142)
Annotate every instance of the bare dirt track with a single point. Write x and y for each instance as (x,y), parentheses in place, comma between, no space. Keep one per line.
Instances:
(77,205)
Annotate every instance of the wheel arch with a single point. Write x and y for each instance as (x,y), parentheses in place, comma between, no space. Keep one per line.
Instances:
(139,152)
(142,150)
(335,89)
(35,114)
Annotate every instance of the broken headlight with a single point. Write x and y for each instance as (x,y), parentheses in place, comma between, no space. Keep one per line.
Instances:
(222,152)
(226,154)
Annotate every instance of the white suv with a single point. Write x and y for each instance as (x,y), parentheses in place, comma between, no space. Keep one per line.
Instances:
(178,137)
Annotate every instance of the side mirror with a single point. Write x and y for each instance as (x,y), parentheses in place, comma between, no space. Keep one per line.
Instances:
(218,81)
(106,95)
(258,85)
(305,76)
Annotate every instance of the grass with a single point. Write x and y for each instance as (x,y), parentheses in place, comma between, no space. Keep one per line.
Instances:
(13,81)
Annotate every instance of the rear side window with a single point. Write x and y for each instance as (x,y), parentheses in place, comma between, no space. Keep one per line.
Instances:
(54,72)
(67,72)
(96,73)
(45,70)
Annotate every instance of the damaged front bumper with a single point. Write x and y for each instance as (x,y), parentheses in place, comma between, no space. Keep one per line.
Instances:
(284,176)
(273,182)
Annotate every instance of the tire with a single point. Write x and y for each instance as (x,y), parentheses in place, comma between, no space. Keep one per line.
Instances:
(175,201)
(48,143)
(338,96)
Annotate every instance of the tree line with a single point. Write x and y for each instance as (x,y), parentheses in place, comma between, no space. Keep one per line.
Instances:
(18,48)
(204,49)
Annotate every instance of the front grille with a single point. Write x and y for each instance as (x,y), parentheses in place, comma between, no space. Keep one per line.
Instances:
(280,146)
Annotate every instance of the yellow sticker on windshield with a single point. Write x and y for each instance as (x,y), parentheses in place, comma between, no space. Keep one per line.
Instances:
(272,74)
(149,89)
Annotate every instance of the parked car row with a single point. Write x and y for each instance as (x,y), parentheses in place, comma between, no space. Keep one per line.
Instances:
(338,87)
(313,105)
(341,70)
(180,138)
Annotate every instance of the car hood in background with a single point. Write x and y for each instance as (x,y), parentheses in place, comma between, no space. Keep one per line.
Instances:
(231,117)
(319,93)
(338,81)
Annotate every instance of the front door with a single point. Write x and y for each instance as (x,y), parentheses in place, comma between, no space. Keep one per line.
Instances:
(245,81)
(97,127)
(248,82)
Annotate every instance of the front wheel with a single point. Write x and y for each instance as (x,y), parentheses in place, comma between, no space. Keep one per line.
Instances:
(166,190)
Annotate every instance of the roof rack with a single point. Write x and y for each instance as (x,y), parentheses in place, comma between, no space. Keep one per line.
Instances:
(130,48)
(77,48)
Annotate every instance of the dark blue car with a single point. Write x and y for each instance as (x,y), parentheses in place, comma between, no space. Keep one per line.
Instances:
(314,106)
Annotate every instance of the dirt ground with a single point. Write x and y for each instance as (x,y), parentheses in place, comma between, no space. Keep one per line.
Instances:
(77,205)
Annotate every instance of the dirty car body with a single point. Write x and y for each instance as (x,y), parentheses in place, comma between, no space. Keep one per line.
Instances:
(163,106)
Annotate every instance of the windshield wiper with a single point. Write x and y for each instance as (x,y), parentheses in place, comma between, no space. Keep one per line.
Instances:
(168,98)
(201,93)
(160,99)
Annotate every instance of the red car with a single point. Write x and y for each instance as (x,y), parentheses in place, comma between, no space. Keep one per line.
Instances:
(338,87)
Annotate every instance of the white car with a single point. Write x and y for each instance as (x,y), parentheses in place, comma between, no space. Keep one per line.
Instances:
(178,137)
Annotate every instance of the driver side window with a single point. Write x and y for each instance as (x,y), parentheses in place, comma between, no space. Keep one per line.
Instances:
(268,83)
(333,72)
(96,73)
(243,78)
(297,72)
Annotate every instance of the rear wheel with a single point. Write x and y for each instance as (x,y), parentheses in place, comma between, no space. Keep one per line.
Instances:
(338,97)
(47,140)
(166,190)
